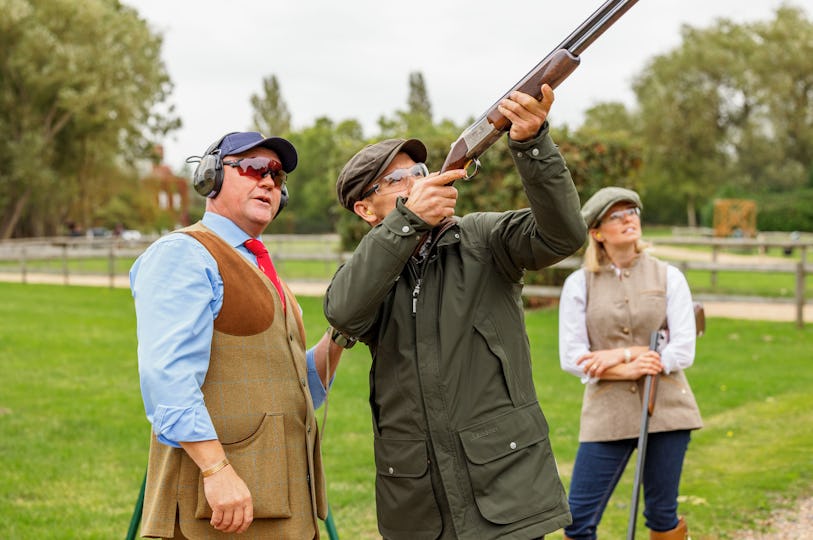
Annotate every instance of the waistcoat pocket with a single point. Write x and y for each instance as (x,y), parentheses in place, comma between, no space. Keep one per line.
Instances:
(261,461)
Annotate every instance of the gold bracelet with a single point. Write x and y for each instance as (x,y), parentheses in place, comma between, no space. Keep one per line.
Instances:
(214,468)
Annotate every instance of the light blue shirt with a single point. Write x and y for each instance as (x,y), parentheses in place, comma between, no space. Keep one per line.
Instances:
(178,293)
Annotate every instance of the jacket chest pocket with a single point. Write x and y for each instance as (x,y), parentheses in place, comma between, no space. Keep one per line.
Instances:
(516,370)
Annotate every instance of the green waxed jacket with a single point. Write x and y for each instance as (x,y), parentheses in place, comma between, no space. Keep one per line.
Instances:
(461,444)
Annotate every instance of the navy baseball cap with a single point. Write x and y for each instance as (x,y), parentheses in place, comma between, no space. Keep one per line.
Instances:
(239,142)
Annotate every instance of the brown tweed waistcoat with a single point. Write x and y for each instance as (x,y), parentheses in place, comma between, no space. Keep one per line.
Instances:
(621,312)
(257,396)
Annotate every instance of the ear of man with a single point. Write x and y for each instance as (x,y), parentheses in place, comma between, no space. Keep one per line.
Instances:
(363,210)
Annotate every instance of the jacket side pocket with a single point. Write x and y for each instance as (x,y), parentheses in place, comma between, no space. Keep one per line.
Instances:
(405,502)
(260,460)
(511,466)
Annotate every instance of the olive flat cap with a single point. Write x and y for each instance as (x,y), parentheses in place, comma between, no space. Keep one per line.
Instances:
(369,163)
(601,201)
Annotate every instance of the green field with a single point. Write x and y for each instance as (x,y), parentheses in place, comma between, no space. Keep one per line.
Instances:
(73,436)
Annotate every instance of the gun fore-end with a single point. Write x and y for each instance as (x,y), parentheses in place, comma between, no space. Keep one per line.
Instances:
(552,70)
(478,137)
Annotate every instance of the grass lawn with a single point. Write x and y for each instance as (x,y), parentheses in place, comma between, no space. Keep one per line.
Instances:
(73,435)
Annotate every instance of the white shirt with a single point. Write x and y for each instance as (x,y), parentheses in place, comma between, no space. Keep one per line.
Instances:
(678,353)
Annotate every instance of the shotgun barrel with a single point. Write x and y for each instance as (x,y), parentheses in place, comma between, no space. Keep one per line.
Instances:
(553,69)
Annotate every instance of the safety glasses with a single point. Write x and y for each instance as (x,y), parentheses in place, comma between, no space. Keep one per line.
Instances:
(619,215)
(418,170)
(260,167)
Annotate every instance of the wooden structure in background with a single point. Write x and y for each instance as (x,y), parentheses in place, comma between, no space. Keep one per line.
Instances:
(735,217)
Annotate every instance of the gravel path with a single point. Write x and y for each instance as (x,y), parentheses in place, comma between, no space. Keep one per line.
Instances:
(787,524)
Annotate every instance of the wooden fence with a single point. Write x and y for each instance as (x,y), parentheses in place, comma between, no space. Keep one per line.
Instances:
(18,256)
(61,258)
(714,250)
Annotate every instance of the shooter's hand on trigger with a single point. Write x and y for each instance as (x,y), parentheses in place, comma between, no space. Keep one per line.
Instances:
(433,198)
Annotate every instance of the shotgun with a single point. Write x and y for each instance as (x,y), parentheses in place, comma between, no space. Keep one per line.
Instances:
(642,440)
(650,389)
(553,69)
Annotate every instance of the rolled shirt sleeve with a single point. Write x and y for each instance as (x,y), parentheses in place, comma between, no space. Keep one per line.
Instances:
(317,389)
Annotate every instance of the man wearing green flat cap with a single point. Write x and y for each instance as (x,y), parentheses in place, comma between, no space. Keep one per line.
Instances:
(461,443)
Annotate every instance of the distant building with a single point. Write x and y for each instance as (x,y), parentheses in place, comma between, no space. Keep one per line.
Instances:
(170,192)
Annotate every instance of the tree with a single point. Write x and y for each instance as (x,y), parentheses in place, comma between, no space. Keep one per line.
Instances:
(418,101)
(776,152)
(79,87)
(270,113)
(323,150)
(730,108)
(416,119)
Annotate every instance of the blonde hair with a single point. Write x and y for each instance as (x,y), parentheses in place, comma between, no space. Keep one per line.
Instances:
(595,255)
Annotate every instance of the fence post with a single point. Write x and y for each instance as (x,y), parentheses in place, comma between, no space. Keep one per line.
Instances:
(713,273)
(800,289)
(111,264)
(65,279)
(23,267)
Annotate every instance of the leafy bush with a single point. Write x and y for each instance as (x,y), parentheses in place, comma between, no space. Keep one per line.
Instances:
(791,211)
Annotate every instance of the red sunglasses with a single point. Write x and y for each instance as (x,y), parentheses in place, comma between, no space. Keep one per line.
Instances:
(260,167)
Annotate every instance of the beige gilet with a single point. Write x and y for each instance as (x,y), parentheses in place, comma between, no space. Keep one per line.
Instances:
(257,396)
(622,310)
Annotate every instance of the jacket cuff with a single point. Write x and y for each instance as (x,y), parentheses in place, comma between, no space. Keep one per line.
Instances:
(403,222)
(538,147)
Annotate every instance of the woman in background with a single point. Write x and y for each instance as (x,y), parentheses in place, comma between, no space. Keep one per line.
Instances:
(607,312)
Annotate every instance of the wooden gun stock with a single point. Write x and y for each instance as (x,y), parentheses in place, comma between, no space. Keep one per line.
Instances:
(553,69)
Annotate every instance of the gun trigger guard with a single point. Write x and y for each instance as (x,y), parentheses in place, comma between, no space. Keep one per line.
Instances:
(469,176)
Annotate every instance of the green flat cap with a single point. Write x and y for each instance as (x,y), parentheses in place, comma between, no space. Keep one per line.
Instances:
(369,163)
(601,201)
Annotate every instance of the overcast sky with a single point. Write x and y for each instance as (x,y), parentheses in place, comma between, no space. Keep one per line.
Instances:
(352,58)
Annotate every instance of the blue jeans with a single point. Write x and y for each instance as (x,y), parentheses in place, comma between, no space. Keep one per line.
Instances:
(599,466)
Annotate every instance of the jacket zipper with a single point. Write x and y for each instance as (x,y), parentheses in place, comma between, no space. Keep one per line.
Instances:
(415,292)
(419,270)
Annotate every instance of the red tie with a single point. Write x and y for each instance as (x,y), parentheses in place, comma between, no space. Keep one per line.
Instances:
(265,264)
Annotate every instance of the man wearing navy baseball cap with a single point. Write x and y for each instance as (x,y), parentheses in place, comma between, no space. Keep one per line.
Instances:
(226,379)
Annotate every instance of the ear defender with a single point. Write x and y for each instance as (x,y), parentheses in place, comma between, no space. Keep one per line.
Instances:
(208,177)
(283,200)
